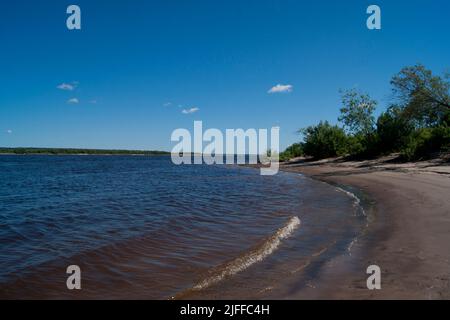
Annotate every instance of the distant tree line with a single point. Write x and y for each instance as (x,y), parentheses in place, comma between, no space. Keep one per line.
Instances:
(64,151)
(416,123)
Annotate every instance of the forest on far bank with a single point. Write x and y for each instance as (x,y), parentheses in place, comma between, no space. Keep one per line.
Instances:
(69,151)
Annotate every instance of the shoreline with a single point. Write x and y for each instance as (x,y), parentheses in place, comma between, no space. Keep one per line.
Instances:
(33,151)
(408,235)
(84,154)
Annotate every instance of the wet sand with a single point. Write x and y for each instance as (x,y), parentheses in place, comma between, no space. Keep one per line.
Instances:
(408,235)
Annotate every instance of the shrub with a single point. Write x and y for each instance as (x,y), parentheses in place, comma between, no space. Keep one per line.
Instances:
(363,146)
(295,150)
(392,130)
(426,142)
(324,141)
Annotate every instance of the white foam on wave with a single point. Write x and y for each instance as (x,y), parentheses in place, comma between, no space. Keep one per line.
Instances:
(356,204)
(257,255)
(356,200)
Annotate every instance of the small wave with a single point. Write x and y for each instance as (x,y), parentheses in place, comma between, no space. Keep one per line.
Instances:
(356,200)
(356,204)
(248,259)
(350,246)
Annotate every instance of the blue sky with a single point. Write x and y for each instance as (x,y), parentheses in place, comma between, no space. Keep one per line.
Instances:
(215,58)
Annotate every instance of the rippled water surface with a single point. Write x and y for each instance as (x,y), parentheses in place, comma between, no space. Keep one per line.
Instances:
(141,227)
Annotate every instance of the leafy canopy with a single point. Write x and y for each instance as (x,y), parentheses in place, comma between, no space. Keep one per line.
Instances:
(357,112)
(424,96)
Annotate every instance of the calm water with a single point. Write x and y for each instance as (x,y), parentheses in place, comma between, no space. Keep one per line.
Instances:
(140,227)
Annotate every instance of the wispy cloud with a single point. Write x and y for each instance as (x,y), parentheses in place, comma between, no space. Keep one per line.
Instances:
(68,86)
(191,110)
(9,131)
(167,104)
(280,88)
(93,101)
(73,101)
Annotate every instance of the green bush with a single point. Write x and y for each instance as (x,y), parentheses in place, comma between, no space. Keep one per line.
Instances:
(392,130)
(363,146)
(426,142)
(324,141)
(293,151)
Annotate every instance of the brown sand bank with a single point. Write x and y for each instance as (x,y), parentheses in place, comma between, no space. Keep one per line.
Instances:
(408,236)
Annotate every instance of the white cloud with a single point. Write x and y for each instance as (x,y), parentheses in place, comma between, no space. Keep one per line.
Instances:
(68,86)
(73,101)
(93,101)
(167,104)
(279,88)
(9,131)
(191,110)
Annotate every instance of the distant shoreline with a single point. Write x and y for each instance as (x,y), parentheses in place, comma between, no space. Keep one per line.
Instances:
(80,152)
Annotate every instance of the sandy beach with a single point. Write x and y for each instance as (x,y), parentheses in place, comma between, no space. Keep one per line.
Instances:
(408,234)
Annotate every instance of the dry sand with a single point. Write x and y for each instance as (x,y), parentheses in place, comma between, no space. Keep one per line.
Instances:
(408,236)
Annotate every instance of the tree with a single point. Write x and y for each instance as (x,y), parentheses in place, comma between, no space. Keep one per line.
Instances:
(425,143)
(357,112)
(424,97)
(293,151)
(324,141)
(393,129)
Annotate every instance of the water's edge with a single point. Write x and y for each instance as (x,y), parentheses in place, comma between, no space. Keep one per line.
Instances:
(362,200)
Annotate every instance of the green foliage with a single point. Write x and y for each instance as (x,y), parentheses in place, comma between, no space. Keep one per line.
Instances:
(363,146)
(324,140)
(293,151)
(424,96)
(357,112)
(357,117)
(392,130)
(423,143)
(355,145)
